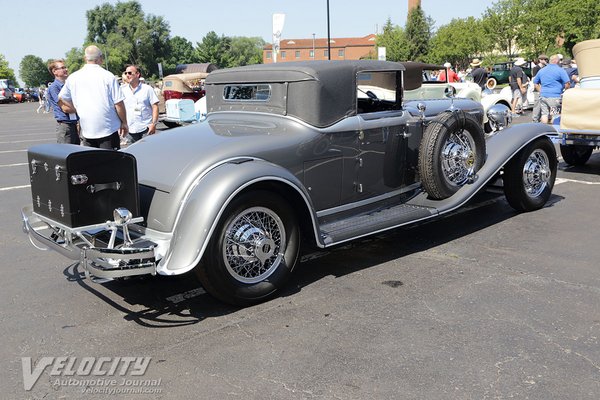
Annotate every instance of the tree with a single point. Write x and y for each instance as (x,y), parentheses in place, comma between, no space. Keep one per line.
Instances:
(180,51)
(458,42)
(214,49)
(127,36)
(245,51)
(504,21)
(394,41)
(5,71)
(418,34)
(74,59)
(34,71)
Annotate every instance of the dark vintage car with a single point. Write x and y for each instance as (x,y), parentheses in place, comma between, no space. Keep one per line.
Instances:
(314,153)
(501,72)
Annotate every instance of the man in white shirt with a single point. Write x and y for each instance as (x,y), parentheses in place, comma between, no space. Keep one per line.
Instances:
(95,94)
(141,104)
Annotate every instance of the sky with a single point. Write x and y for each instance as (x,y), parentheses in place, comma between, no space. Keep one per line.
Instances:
(49,29)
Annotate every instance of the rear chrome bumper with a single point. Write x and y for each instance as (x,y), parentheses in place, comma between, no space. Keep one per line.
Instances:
(76,244)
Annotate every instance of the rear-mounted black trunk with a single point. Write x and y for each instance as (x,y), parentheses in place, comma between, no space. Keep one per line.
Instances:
(79,186)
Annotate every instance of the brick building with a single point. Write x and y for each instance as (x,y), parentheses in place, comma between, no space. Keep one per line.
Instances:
(316,49)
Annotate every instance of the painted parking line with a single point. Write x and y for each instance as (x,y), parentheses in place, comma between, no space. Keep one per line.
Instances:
(11,151)
(12,165)
(4,189)
(26,141)
(563,180)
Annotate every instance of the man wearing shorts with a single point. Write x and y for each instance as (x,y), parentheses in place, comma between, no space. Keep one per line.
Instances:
(517,79)
(551,81)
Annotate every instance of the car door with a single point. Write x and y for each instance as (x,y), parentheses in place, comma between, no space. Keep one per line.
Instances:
(381,155)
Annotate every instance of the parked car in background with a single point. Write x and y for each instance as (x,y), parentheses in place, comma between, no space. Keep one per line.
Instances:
(6,91)
(185,86)
(316,153)
(579,124)
(501,72)
(420,85)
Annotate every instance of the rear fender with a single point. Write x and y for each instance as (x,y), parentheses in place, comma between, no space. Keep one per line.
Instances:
(206,203)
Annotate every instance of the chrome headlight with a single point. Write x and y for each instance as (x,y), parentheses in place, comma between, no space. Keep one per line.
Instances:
(499,117)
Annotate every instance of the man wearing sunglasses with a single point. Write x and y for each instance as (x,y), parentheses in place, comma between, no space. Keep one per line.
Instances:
(141,104)
(66,123)
(96,95)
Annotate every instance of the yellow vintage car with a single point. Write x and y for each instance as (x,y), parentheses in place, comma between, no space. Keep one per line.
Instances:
(579,130)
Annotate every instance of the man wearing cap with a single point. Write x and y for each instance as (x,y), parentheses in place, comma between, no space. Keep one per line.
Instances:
(96,95)
(517,79)
(479,74)
(551,81)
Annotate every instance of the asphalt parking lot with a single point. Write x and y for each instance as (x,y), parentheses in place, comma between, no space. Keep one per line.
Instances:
(483,304)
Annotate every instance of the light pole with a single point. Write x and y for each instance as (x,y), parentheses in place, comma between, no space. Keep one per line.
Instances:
(328,34)
(313,53)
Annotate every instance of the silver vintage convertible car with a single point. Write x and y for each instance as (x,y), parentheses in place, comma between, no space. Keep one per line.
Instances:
(290,153)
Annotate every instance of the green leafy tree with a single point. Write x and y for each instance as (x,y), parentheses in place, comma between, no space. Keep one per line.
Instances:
(394,41)
(214,49)
(567,23)
(127,36)
(245,51)
(504,21)
(180,51)
(418,33)
(74,59)
(5,71)
(34,72)
(458,42)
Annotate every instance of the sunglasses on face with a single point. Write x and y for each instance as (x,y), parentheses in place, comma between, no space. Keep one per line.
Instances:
(129,73)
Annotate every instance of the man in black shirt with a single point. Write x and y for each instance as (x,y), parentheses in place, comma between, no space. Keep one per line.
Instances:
(517,79)
(479,74)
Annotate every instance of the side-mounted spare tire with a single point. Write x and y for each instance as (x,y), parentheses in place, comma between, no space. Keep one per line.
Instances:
(452,151)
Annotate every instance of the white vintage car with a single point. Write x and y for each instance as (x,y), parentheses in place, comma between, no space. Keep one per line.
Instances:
(420,85)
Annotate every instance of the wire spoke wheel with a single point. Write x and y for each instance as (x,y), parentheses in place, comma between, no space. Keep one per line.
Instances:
(458,158)
(252,248)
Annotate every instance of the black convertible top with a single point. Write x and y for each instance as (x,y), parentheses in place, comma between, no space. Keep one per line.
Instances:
(318,92)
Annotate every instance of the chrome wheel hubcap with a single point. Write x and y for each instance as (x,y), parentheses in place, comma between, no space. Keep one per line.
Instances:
(458,158)
(253,245)
(536,173)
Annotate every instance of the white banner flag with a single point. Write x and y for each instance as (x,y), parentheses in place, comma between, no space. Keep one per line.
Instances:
(278,21)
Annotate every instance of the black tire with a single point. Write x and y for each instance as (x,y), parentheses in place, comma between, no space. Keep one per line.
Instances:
(244,275)
(170,124)
(529,176)
(451,151)
(576,154)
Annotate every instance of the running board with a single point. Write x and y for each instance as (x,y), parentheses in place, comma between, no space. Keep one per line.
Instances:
(372,222)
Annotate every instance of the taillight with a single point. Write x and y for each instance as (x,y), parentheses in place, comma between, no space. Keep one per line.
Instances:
(172,94)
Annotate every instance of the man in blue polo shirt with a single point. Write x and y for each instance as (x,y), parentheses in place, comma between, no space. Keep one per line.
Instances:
(551,81)
(66,124)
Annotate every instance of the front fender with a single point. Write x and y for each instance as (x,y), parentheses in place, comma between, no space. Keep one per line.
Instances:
(206,203)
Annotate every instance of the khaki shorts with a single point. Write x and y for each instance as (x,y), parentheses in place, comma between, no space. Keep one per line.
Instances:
(550,106)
